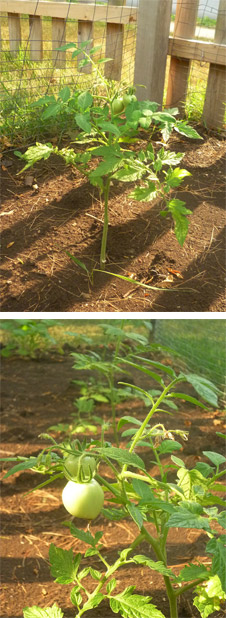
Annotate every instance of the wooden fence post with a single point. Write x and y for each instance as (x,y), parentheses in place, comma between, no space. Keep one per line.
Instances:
(14,32)
(185,24)
(36,44)
(58,39)
(151,49)
(114,46)
(214,106)
(85,33)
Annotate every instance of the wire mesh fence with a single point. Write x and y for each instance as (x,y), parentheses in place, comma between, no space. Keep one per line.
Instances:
(32,65)
(198,344)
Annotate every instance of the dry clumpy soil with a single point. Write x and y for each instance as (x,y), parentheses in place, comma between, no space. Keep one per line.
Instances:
(36,395)
(63,213)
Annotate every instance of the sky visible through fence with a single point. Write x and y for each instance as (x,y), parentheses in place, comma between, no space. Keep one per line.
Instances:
(24,79)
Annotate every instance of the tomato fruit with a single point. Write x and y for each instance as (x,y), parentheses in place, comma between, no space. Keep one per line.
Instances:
(74,465)
(83,500)
(117,106)
(128,98)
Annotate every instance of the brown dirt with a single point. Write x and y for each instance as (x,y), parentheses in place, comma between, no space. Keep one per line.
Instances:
(64,214)
(34,396)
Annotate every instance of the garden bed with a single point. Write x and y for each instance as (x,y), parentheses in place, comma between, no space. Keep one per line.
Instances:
(61,212)
(35,395)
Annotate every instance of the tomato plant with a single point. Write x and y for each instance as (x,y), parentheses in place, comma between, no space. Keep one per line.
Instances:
(153,168)
(84,500)
(79,468)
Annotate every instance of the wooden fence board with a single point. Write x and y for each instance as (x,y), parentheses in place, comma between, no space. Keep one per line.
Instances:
(58,39)
(85,12)
(85,33)
(151,49)
(35,37)
(214,106)
(185,23)
(203,51)
(14,32)
(114,45)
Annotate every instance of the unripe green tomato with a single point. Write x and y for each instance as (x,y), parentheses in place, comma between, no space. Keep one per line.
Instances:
(128,98)
(72,464)
(83,500)
(117,106)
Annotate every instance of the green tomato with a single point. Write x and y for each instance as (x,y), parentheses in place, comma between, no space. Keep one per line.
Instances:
(73,465)
(117,106)
(128,98)
(83,500)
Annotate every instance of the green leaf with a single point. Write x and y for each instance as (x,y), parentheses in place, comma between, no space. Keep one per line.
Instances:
(65,94)
(184,129)
(153,375)
(144,194)
(158,365)
(216,458)
(187,398)
(217,547)
(111,585)
(135,514)
(188,516)
(113,514)
(205,388)
(222,519)
(122,456)
(52,110)
(75,596)
(78,262)
(204,468)
(48,612)
(128,174)
(105,167)
(209,597)
(193,571)
(85,100)
(24,465)
(142,489)
(36,153)
(83,122)
(108,127)
(134,606)
(128,419)
(179,213)
(86,537)
(188,479)
(94,602)
(175,177)
(153,565)
(168,446)
(178,462)
(63,566)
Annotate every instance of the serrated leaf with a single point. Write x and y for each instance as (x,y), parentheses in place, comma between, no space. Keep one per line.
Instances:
(83,122)
(128,174)
(209,596)
(184,129)
(24,465)
(76,597)
(158,566)
(222,519)
(135,514)
(142,489)
(52,110)
(48,612)
(217,547)
(108,127)
(168,446)
(188,479)
(94,602)
(193,571)
(86,537)
(63,565)
(144,194)
(36,153)
(64,94)
(122,456)
(188,516)
(105,167)
(179,213)
(127,419)
(134,606)
(113,514)
(85,100)
(111,585)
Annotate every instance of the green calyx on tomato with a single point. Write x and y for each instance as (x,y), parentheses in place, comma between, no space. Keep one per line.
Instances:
(129,98)
(83,500)
(79,468)
(117,106)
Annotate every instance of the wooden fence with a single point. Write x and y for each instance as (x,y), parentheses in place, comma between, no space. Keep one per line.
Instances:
(153,44)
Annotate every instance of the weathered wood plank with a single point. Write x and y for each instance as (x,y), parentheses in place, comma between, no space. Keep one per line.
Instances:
(203,51)
(114,45)
(214,106)
(84,12)
(14,33)
(151,49)
(35,37)
(58,39)
(185,23)
(85,33)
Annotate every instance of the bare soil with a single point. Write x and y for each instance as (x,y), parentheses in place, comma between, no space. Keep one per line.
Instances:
(35,395)
(63,213)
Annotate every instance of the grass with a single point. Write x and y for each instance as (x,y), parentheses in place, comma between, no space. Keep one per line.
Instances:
(24,81)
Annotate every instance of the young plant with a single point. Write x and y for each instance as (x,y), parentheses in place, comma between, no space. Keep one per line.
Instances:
(106,124)
(155,504)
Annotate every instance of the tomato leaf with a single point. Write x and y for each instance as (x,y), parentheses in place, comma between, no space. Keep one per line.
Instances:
(193,571)
(64,566)
(135,514)
(122,456)
(204,387)
(83,122)
(85,100)
(154,566)
(135,605)
(24,465)
(86,537)
(188,516)
(217,548)
(48,612)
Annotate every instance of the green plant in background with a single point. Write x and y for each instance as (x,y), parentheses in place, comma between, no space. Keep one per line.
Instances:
(189,501)
(107,123)
(26,337)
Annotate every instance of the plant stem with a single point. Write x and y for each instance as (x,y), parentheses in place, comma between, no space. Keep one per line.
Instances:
(171,593)
(105,229)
